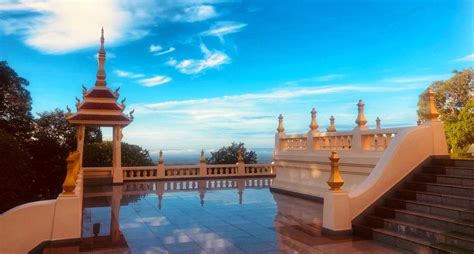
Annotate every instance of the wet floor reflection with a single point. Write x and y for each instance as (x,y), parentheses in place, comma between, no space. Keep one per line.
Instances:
(206,216)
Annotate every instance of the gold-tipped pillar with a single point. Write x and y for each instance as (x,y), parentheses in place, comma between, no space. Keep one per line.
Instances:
(202,165)
(80,136)
(117,155)
(161,166)
(336,210)
(313,126)
(279,134)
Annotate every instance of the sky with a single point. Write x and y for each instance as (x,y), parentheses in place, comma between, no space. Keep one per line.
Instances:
(201,74)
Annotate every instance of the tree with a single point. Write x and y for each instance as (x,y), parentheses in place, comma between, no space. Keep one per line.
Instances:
(15,103)
(100,155)
(453,100)
(228,155)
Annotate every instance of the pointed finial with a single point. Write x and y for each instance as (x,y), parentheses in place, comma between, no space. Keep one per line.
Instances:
(84,89)
(431,112)
(361,121)
(280,128)
(116,92)
(131,114)
(78,102)
(161,160)
(100,76)
(122,103)
(377,123)
(332,127)
(314,124)
(335,180)
(202,159)
(68,111)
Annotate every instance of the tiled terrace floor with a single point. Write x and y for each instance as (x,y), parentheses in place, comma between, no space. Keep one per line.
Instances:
(214,216)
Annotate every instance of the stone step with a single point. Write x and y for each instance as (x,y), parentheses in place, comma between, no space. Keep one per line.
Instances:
(436,198)
(430,208)
(456,163)
(413,244)
(454,171)
(422,219)
(449,189)
(430,234)
(445,179)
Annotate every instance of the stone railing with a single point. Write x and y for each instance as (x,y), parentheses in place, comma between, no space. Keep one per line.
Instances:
(360,139)
(24,227)
(201,170)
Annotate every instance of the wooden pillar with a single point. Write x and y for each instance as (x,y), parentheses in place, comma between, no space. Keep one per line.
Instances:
(80,135)
(117,155)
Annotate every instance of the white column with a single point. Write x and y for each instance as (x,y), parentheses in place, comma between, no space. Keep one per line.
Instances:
(117,155)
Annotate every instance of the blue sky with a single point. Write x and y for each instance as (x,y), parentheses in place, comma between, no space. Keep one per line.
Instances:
(201,74)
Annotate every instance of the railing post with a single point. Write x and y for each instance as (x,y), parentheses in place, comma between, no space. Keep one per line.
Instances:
(313,129)
(240,164)
(377,123)
(280,133)
(357,143)
(336,211)
(202,165)
(332,127)
(160,171)
(70,181)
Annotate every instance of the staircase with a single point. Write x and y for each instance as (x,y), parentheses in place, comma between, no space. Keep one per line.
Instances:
(431,211)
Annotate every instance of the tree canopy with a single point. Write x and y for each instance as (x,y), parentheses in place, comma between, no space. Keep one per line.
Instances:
(100,155)
(454,100)
(229,154)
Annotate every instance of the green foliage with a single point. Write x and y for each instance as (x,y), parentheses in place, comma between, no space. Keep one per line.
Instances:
(100,155)
(228,155)
(15,103)
(454,101)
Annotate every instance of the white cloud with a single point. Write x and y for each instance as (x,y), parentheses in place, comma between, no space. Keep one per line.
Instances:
(196,13)
(155,81)
(58,27)
(416,79)
(212,59)
(468,58)
(155,48)
(126,74)
(171,49)
(324,78)
(219,29)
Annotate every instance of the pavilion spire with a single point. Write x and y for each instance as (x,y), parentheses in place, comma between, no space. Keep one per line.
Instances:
(100,77)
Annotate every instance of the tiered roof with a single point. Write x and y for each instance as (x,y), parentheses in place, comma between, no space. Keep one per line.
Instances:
(99,105)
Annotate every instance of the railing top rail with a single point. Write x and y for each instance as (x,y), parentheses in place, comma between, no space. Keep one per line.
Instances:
(385,130)
(258,165)
(181,166)
(221,165)
(291,136)
(97,168)
(139,167)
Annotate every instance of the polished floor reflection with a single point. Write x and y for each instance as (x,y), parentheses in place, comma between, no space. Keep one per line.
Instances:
(205,216)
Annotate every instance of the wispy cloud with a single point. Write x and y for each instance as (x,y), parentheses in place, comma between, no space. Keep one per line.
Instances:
(155,48)
(468,58)
(154,81)
(323,78)
(126,74)
(196,13)
(222,28)
(212,59)
(58,27)
(415,79)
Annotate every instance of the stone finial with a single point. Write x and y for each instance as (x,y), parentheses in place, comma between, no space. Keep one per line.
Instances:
(335,180)
(161,160)
(418,122)
(332,127)
(116,92)
(202,159)
(280,128)
(377,123)
(431,113)
(68,111)
(314,123)
(361,121)
(240,157)
(131,114)
(84,89)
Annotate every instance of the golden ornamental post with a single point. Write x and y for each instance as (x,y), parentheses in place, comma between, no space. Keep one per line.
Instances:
(377,123)
(69,182)
(161,160)
(202,159)
(431,113)
(361,121)
(335,180)
(240,157)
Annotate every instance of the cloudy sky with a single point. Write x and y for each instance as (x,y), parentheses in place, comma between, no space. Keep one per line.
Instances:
(201,74)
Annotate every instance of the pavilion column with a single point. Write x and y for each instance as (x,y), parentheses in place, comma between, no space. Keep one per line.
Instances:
(117,155)
(115,213)
(81,131)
